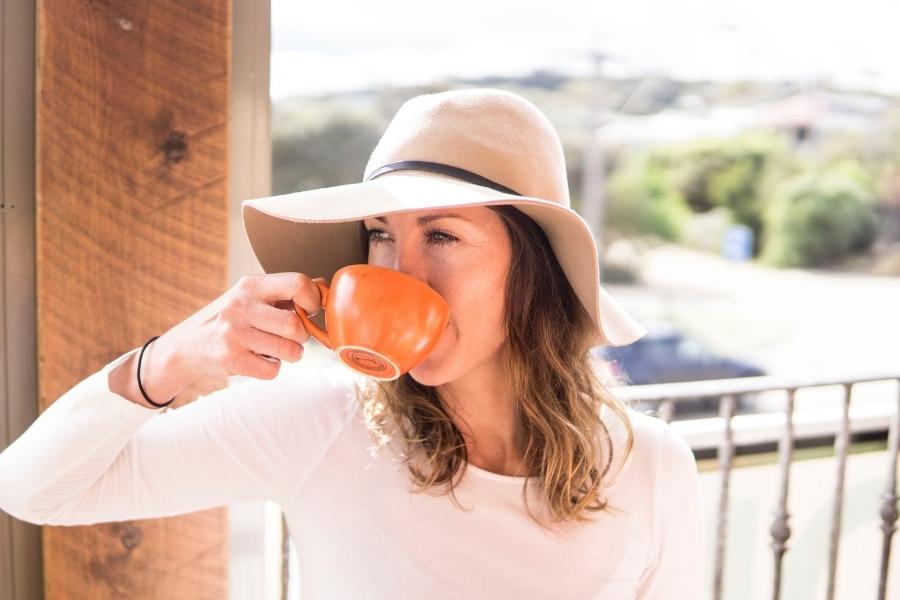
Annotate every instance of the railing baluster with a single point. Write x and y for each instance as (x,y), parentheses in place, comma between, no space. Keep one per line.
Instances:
(667,409)
(726,451)
(780,530)
(285,558)
(668,394)
(889,507)
(841,444)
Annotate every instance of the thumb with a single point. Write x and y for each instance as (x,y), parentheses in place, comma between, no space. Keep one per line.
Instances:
(316,306)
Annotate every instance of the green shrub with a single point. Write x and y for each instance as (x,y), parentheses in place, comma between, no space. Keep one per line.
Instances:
(321,146)
(640,199)
(815,218)
(733,173)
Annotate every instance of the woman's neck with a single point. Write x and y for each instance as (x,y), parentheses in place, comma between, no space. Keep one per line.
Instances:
(482,406)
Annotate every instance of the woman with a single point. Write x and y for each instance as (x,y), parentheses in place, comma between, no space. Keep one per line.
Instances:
(502,467)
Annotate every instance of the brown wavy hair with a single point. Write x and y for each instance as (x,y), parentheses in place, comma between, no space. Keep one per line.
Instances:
(558,383)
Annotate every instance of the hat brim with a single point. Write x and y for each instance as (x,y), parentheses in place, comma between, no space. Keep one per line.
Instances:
(315,232)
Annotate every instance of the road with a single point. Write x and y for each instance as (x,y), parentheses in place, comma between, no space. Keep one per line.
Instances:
(786,320)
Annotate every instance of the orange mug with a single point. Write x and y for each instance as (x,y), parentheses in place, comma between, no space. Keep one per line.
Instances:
(379,321)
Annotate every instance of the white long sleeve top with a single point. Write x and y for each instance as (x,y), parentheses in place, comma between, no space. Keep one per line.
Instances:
(300,440)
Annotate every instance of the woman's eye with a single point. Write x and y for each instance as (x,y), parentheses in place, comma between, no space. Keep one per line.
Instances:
(370,234)
(444,237)
(436,237)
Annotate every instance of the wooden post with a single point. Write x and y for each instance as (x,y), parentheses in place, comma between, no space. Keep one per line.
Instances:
(132,236)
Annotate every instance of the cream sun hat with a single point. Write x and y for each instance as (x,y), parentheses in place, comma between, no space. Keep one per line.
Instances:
(475,146)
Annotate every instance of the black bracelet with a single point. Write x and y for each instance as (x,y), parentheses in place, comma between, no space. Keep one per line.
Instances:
(140,358)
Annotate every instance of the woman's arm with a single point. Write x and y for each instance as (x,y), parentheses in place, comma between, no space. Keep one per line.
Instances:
(678,569)
(95,456)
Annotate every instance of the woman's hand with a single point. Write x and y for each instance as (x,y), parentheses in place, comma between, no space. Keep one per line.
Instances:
(248,330)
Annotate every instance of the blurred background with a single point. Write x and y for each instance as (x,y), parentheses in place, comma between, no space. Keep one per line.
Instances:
(740,164)
(739,160)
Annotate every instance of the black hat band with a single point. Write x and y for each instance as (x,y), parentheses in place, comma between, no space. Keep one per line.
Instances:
(459,173)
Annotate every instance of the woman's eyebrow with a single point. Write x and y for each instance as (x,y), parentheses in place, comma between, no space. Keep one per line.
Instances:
(428,218)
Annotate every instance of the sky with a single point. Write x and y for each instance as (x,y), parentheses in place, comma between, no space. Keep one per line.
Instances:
(341,45)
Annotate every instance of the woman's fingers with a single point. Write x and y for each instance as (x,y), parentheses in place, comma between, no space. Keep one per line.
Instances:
(272,345)
(281,321)
(280,317)
(254,365)
(252,327)
(274,287)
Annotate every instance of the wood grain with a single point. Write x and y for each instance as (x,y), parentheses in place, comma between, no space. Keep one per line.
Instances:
(132,232)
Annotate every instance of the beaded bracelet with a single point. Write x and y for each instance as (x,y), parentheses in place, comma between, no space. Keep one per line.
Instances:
(140,358)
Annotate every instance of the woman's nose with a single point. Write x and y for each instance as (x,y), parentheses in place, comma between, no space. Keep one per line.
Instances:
(410,263)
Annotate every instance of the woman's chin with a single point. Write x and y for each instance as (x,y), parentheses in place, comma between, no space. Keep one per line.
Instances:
(428,371)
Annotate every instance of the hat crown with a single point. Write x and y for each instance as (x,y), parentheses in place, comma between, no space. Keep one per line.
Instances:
(495,133)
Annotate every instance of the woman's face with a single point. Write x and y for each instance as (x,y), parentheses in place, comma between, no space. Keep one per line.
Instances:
(465,259)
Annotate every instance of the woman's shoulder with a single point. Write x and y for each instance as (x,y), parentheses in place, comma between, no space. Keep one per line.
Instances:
(650,427)
(655,443)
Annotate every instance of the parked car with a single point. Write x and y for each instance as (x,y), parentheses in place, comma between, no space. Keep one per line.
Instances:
(667,354)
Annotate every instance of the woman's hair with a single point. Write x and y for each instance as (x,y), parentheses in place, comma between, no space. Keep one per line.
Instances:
(557,382)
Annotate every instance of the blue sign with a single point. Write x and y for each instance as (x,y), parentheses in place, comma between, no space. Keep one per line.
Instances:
(737,243)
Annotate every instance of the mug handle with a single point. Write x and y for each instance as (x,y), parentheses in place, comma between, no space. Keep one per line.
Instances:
(311,327)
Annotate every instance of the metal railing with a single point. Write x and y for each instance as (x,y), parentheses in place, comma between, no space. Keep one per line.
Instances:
(728,391)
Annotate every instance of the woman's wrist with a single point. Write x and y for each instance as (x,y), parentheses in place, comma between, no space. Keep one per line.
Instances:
(162,374)
(147,398)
